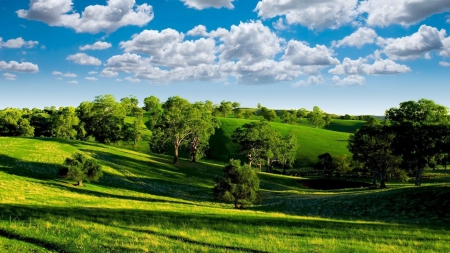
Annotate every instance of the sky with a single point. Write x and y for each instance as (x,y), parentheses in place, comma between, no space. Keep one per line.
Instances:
(353,57)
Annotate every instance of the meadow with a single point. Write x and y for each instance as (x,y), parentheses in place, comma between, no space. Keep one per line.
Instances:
(145,204)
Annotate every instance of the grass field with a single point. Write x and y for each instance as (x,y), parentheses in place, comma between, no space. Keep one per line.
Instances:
(145,204)
(311,141)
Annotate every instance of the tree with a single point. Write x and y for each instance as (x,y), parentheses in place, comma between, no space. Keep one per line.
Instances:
(79,167)
(287,117)
(104,118)
(64,122)
(315,118)
(239,184)
(328,119)
(133,131)
(225,108)
(301,113)
(235,105)
(153,105)
(373,146)
(326,164)
(422,112)
(342,164)
(287,151)
(12,123)
(252,138)
(41,124)
(268,114)
(129,103)
(203,126)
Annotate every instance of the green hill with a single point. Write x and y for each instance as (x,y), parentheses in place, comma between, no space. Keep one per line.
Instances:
(311,141)
(145,204)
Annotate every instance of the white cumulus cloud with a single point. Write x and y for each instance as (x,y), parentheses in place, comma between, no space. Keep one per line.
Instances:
(310,81)
(84,59)
(358,39)
(25,67)
(204,4)
(444,63)
(91,78)
(18,43)
(298,53)
(99,45)
(9,76)
(312,14)
(362,66)
(94,19)
(403,12)
(411,47)
(73,82)
(68,74)
(350,80)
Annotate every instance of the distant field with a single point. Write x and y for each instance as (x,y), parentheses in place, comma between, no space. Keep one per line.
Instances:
(311,141)
(145,204)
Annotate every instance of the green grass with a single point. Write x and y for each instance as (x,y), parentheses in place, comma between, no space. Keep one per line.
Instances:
(346,126)
(311,141)
(145,204)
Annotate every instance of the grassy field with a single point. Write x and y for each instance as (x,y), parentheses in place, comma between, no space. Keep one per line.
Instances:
(311,141)
(145,204)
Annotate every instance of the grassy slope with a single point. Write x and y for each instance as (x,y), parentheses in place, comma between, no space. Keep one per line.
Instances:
(311,141)
(144,204)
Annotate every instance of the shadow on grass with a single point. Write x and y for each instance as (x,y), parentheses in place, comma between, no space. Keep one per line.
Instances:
(38,242)
(233,224)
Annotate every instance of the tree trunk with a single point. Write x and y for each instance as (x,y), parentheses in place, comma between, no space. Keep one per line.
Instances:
(236,206)
(268,164)
(419,176)
(284,169)
(80,183)
(382,181)
(194,158)
(374,177)
(175,154)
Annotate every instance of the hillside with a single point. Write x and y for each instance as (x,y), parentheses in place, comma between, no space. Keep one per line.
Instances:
(311,141)
(145,204)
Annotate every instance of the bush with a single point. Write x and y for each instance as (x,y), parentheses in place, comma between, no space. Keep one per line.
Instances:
(79,167)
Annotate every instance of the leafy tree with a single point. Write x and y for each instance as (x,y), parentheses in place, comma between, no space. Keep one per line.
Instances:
(153,105)
(287,150)
(328,119)
(133,131)
(342,164)
(12,123)
(129,103)
(268,114)
(235,105)
(239,184)
(203,126)
(373,146)
(287,117)
(252,138)
(326,164)
(301,113)
(225,108)
(422,112)
(41,124)
(247,114)
(315,118)
(79,167)
(104,118)
(63,123)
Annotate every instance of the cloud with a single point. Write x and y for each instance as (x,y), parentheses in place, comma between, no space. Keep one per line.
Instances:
(18,43)
(108,73)
(168,48)
(348,81)
(204,4)
(9,76)
(84,59)
(92,72)
(199,30)
(445,52)
(118,80)
(57,73)
(99,45)
(358,39)
(298,53)
(414,46)
(248,42)
(310,81)
(94,18)
(132,80)
(361,66)
(403,12)
(73,82)
(68,74)
(312,14)
(280,24)
(90,78)
(25,67)
(444,63)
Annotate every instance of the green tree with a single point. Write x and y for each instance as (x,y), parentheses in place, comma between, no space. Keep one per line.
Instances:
(373,146)
(315,118)
(252,138)
(328,119)
(287,117)
(342,164)
(326,164)
(421,112)
(12,123)
(129,103)
(79,167)
(133,131)
(225,108)
(203,126)
(268,114)
(287,150)
(104,118)
(153,105)
(239,184)
(64,122)
(301,113)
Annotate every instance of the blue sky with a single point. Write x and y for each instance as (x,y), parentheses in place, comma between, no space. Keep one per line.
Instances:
(345,56)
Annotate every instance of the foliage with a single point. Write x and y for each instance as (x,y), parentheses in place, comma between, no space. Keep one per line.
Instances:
(129,103)
(239,184)
(315,118)
(325,164)
(12,123)
(79,167)
(268,114)
(422,112)
(64,123)
(287,150)
(287,117)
